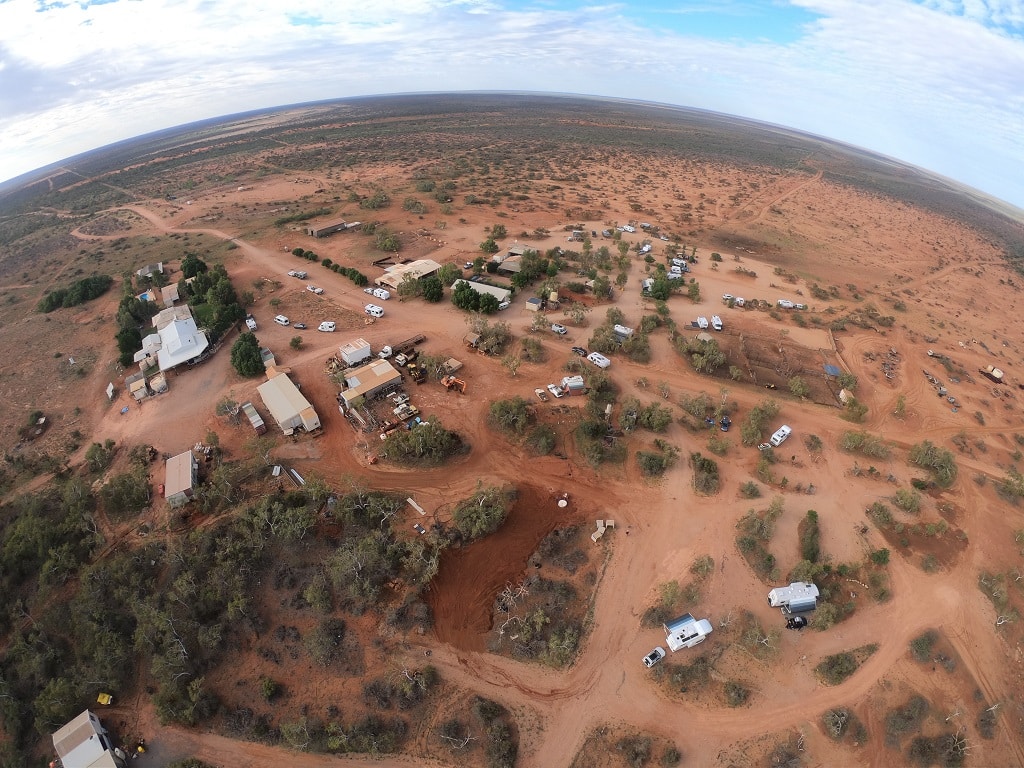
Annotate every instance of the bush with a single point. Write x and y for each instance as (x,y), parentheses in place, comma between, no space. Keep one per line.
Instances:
(750,490)
(901,720)
(705,474)
(736,694)
(541,440)
(635,749)
(483,513)
(427,444)
(836,668)
(938,461)
(79,292)
(810,537)
(513,417)
(922,645)
(908,500)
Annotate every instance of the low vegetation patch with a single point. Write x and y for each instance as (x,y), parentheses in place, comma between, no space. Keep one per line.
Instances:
(756,529)
(835,669)
(939,462)
(656,463)
(483,512)
(904,719)
(753,428)
(705,474)
(864,444)
(921,647)
(842,724)
(79,292)
(429,444)
(674,599)
(511,417)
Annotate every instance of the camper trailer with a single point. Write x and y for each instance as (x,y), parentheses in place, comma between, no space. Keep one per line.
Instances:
(780,435)
(798,597)
(686,632)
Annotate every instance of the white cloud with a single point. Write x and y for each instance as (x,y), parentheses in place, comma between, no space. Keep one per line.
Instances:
(935,83)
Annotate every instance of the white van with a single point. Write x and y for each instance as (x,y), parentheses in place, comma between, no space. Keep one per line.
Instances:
(373,310)
(780,435)
(282,320)
(676,270)
(382,294)
(599,360)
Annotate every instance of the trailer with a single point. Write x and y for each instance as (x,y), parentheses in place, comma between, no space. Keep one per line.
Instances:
(798,597)
(686,632)
(408,344)
(254,418)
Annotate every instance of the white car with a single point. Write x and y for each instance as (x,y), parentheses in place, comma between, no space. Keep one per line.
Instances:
(560,329)
(599,360)
(326,326)
(282,320)
(555,390)
(654,657)
(314,289)
(504,305)
(368,290)
(727,297)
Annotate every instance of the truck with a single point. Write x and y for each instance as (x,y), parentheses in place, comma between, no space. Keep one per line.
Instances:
(798,597)
(254,418)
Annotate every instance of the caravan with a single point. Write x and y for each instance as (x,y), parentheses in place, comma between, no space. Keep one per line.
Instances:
(780,436)
(798,597)
(686,632)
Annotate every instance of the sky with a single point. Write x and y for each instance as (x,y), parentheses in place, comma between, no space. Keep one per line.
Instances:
(935,83)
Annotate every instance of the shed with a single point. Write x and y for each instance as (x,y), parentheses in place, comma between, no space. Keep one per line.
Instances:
(501,294)
(327,228)
(534,304)
(798,597)
(169,294)
(355,352)
(420,269)
(287,405)
(84,743)
(374,378)
(686,632)
(182,473)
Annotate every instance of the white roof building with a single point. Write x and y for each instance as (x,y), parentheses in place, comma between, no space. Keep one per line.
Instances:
(501,294)
(180,341)
(287,405)
(84,743)
(421,268)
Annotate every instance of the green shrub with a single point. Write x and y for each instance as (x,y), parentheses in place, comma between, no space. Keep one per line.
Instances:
(482,513)
(922,645)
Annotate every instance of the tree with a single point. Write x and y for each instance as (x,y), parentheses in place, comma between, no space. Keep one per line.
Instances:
(449,273)
(512,364)
(799,387)
(296,342)
(192,265)
(433,289)
(489,246)
(693,291)
(410,287)
(245,356)
(386,240)
(498,232)
(576,312)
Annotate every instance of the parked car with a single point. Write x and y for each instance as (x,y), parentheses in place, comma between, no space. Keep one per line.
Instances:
(326,326)
(300,326)
(504,305)
(282,320)
(250,322)
(580,351)
(368,290)
(654,657)
(555,390)
(599,360)
(560,329)
(725,423)
(468,265)
(541,394)
(314,289)
(727,297)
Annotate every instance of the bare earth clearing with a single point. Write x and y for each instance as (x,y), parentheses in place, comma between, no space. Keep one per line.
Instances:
(946,285)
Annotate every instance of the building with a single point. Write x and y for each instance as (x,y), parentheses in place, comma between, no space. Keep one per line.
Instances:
(355,352)
(182,475)
(375,378)
(511,265)
(501,294)
(329,228)
(170,314)
(286,404)
(84,743)
(177,342)
(169,294)
(150,269)
(420,269)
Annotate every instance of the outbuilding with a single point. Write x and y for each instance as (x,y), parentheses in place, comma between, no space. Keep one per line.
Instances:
(181,476)
(354,352)
(501,294)
(375,378)
(798,597)
(286,404)
(85,743)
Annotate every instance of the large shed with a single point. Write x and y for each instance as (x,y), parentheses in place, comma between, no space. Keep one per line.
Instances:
(501,294)
(374,378)
(420,269)
(290,409)
(181,476)
(84,743)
